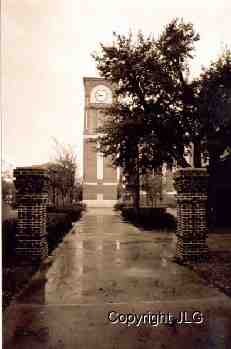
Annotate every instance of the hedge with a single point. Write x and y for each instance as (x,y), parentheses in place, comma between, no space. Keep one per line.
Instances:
(119,206)
(8,237)
(74,212)
(149,218)
(58,225)
(59,222)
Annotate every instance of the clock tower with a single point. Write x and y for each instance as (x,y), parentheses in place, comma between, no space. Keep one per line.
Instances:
(99,177)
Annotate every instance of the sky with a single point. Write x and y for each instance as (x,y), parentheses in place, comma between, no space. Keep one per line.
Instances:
(46,52)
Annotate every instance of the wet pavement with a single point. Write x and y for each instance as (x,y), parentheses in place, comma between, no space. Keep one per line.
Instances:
(106,265)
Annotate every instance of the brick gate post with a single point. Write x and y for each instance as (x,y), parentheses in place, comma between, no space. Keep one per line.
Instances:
(192,219)
(31,196)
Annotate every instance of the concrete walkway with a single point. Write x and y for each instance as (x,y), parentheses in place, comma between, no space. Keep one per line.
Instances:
(106,265)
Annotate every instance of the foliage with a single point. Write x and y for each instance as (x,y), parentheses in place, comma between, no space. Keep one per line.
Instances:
(9,227)
(57,227)
(149,218)
(152,111)
(59,222)
(73,211)
(15,273)
(157,112)
(213,107)
(77,192)
(119,206)
(8,190)
(152,184)
(227,152)
(62,173)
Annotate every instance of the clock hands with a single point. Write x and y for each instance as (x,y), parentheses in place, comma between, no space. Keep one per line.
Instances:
(102,95)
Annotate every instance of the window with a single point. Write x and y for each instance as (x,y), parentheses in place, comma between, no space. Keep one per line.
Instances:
(99,165)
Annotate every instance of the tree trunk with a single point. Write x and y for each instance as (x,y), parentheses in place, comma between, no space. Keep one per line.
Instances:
(213,159)
(137,196)
(137,191)
(136,180)
(56,198)
(183,163)
(71,196)
(53,195)
(197,154)
(63,199)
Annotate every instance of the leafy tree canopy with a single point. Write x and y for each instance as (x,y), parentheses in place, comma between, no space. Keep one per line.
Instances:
(62,174)
(151,113)
(213,106)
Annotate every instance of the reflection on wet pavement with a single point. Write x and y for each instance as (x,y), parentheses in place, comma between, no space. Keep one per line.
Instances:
(105,263)
(105,251)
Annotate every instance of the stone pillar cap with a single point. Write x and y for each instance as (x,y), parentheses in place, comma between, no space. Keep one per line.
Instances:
(192,169)
(32,170)
(34,167)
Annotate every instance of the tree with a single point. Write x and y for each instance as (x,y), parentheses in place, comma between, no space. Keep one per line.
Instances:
(213,108)
(62,173)
(151,113)
(152,184)
(8,190)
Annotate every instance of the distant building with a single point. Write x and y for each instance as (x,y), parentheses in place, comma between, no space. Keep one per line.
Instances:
(100,179)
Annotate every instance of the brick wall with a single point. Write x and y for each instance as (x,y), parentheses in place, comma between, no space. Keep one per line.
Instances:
(192,222)
(31,196)
(90,162)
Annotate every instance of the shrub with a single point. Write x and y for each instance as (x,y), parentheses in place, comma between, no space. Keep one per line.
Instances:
(74,211)
(119,206)
(59,222)
(149,218)
(83,206)
(14,205)
(9,227)
(58,225)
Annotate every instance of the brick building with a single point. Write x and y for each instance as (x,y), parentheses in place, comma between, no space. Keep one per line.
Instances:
(99,178)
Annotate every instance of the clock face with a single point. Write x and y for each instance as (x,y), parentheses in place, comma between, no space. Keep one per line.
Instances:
(101,94)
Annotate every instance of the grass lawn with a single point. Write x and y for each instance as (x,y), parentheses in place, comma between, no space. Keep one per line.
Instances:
(217,269)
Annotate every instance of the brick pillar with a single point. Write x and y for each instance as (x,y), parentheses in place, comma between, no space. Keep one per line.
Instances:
(31,195)
(192,223)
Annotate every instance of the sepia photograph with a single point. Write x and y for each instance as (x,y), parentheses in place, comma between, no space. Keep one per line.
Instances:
(116,174)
